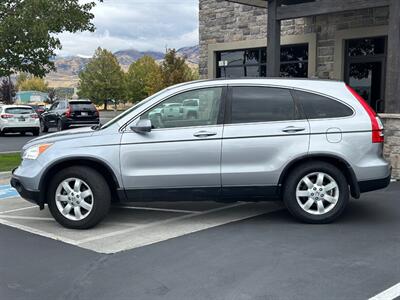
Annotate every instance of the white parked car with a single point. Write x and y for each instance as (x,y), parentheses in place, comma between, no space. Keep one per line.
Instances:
(19,118)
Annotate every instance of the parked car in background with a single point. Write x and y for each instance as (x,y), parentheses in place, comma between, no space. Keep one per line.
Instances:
(38,107)
(310,143)
(19,118)
(64,114)
(190,108)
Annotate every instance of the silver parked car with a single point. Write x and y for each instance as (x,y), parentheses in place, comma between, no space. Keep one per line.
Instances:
(310,143)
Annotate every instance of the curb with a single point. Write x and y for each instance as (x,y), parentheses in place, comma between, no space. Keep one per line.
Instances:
(5,175)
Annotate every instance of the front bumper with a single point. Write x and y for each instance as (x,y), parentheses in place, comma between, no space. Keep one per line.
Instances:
(29,195)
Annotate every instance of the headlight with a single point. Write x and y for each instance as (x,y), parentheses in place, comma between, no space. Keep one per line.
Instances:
(34,151)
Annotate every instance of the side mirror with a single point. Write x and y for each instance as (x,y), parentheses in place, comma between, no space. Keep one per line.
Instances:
(142,126)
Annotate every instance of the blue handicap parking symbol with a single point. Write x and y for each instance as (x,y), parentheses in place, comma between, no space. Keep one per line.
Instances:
(6,191)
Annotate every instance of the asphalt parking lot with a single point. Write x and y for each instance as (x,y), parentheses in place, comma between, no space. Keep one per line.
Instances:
(203,250)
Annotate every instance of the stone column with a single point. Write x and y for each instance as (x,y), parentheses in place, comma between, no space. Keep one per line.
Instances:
(391,148)
(273,40)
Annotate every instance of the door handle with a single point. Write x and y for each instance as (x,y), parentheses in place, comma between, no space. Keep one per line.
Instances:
(291,129)
(204,133)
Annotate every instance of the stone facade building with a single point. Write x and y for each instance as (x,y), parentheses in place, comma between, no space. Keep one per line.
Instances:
(351,45)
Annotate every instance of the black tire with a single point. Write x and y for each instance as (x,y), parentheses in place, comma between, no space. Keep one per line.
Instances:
(101,195)
(43,127)
(36,132)
(290,199)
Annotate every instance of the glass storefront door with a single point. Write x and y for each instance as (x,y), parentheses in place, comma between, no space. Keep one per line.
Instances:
(365,69)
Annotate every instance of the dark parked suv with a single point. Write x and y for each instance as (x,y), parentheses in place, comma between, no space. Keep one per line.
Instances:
(67,113)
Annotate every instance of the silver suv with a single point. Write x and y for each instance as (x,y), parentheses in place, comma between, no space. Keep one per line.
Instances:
(310,143)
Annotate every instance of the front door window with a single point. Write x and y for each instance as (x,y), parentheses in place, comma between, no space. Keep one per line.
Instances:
(193,108)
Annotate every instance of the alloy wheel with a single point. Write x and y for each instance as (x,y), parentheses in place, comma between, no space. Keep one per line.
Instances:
(74,199)
(317,193)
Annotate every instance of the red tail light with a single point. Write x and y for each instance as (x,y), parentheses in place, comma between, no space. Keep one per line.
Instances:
(68,112)
(6,116)
(377,126)
(96,113)
(34,116)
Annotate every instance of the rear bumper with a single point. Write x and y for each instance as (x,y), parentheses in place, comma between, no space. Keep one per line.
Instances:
(70,122)
(375,184)
(29,195)
(20,128)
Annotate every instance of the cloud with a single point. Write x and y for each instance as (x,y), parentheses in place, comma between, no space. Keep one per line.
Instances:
(139,24)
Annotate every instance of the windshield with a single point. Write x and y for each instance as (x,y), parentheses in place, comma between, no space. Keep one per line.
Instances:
(125,113)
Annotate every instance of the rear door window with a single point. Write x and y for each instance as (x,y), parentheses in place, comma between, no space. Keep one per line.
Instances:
(19,110)
(261,104)
(320,107)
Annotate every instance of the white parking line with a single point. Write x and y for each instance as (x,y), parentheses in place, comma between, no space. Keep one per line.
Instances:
(389,294)
(18,209)
(38,232)
(168,229)
(27,218)
(159,209)
(106,235)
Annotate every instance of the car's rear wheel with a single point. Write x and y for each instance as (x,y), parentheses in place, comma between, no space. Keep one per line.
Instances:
(78,197)
(316,192)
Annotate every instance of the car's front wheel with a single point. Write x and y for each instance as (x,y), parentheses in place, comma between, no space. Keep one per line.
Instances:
(78,197)
(316,192)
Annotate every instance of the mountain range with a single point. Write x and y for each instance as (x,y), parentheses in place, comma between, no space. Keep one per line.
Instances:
(69,67)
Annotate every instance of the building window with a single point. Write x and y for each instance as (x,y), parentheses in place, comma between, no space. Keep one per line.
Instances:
(365,69)
(253,62)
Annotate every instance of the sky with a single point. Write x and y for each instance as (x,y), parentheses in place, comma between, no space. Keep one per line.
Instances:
(139,24)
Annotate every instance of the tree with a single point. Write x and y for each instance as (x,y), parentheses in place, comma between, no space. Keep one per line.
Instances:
(28,32)
(175,70)
(7,90)
(143,79)
(21,78)
(102,79)
(33,84)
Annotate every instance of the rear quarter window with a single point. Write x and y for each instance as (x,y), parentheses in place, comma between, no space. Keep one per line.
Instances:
(320,107)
